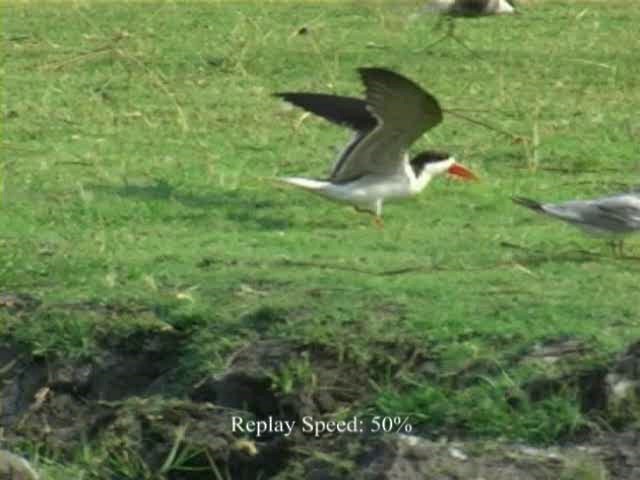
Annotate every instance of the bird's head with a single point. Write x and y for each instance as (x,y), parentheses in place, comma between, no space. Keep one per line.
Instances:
(430,164)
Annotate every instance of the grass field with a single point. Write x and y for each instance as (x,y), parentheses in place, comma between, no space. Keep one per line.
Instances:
(138,145)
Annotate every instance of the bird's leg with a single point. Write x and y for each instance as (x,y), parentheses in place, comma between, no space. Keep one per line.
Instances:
(438,26)
(621,247)
(378,215)
(466,47)
(451,33)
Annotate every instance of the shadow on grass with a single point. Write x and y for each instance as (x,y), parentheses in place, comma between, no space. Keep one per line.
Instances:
(241,206)
(533,257)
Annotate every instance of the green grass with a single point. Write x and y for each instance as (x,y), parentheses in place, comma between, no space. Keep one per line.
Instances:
(138,140)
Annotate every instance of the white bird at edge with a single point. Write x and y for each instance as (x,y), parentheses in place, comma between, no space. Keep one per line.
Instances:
(375,165)
(613,216)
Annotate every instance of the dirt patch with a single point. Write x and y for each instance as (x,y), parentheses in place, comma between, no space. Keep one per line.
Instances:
(186,440)
(58,402)
(619,453)
(122,400)
(612,389)
(132,365)
(126,404)
(20,379)
(286,380)
(290,379)
(400,457)
(622,381)
(141,364)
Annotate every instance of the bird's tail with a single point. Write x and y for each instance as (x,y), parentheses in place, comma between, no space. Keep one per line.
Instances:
(526,202)
(306,183)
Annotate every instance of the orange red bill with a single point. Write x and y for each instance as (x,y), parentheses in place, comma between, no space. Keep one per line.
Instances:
(464,173)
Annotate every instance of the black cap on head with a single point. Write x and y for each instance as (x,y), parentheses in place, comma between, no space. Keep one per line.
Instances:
(423,158)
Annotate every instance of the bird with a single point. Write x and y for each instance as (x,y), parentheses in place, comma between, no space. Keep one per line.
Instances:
(471,8)
(464,8)
(613,216)
(375,165)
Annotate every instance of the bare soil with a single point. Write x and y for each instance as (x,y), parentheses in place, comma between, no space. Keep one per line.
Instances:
(124,399)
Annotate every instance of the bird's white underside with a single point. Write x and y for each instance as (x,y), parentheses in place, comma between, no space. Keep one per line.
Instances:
(375,166)
(370,191)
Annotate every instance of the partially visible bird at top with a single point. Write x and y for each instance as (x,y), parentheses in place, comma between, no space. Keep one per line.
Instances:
(449,9)
(471,7)
(375,165)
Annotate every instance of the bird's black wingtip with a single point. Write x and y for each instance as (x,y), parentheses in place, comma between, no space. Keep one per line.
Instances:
(527,202)
(369,75)
(368,71)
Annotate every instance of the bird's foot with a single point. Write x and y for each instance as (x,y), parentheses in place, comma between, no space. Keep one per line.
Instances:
(378,222)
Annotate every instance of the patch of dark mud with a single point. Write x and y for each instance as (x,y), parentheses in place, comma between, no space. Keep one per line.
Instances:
(602,390)
(123,400)
(57,401)
(589,386)
(60,422)
(140,364)
(124,403)
(153,437)
(178,439)
(290,379)
(285,379)
(20,379)
(118,403)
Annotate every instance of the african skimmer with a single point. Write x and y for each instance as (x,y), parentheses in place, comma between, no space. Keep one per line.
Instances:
(375,165)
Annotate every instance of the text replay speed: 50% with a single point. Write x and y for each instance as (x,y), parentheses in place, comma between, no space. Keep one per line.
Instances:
(317,427)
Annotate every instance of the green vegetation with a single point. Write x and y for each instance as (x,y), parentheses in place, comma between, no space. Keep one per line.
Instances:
(139,140)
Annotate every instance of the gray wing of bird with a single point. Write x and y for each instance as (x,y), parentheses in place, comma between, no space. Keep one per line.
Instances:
(345,111)
(612,214)
(625,208)
(404,112)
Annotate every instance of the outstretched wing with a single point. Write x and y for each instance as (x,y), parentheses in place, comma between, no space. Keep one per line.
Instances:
(404,112)
(345,111)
